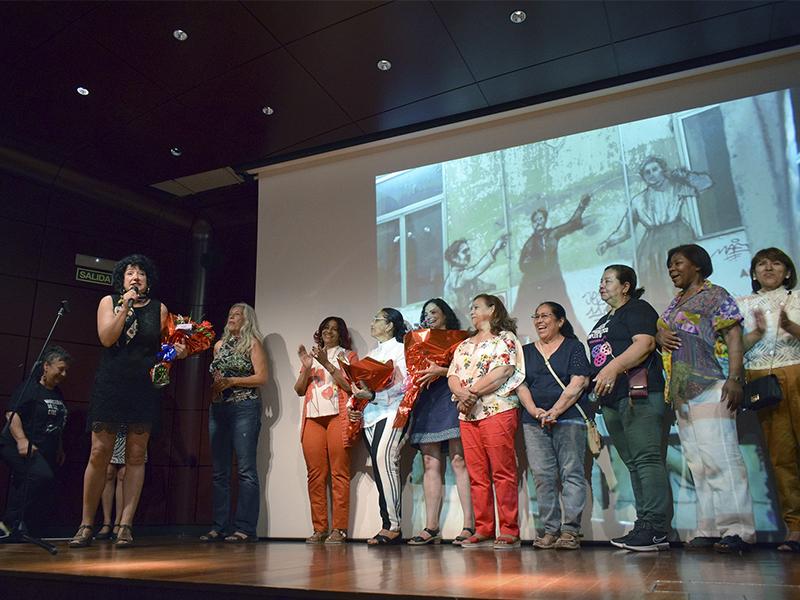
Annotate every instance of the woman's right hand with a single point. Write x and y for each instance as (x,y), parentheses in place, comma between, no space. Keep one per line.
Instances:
(668,339)
(22,447)
(354,415)
(431,372)
(305,357)
(130,296)
(761,322)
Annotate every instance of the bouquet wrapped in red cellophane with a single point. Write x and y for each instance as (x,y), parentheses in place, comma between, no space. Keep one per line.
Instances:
(180,330)
(421,346)
(376,375)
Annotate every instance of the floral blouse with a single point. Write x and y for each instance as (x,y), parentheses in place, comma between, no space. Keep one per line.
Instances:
(472,361)
(229,363)
(702,359)
(323,394)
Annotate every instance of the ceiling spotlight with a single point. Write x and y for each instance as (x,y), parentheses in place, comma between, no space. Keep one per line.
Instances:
(82,90)
(384,65)
(180,35)
(267,110)
(175,151)
(518,16)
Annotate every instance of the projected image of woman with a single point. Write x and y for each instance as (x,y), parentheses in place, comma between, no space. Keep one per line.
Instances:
(384,442)
(463,279)
(772,345)
(326,445)
(486,370)
(434,431)
(661,209)
(538,262)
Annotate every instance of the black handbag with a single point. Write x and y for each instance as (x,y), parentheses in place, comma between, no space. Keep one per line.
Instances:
(763,392)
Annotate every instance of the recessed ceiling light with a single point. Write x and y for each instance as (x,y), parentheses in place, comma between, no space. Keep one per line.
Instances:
(384,65)
(180,35)
(175,151)
(267,110)
(518,16)
(82,90)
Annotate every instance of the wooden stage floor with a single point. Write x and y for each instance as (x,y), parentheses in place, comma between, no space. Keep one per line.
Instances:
(160,567)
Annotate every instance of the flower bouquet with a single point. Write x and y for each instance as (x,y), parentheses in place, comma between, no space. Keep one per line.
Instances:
(421,346)
(375,375)
(180,330)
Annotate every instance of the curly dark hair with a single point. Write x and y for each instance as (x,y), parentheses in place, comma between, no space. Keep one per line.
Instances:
(501,320)
(344,335)
(450,319)
(452,250)
(134,260)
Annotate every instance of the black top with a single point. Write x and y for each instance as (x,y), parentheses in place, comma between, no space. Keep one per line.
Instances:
(612,335)
(43,415)
(569,359)
(123,389)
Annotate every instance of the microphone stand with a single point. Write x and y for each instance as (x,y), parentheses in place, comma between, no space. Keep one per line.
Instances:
(20,531)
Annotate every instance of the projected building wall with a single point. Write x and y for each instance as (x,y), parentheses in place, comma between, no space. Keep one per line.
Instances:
(540,221)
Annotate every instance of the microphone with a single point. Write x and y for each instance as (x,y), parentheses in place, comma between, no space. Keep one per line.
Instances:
(64,306)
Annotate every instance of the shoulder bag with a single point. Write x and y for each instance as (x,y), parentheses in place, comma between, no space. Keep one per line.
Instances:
(764,392)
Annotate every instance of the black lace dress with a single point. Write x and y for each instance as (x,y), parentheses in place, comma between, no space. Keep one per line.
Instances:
(123,392)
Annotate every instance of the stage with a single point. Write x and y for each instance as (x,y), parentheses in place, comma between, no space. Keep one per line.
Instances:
(178,569)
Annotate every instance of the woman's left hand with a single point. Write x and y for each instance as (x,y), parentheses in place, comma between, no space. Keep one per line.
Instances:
(221,384)
(429,374)
(605,380)
(732,394)
(322,357)
(361,391)
(785,323)
(181,350)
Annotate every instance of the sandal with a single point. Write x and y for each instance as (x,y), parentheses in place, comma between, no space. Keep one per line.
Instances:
(506,542)
(547,541)
(384,540)
(239,537)
(82,538)
(460,539)
(477,541)
(104,535)
(792,546)
(212,536)
(568,541)
(124,537)
(114,532)
(434,537)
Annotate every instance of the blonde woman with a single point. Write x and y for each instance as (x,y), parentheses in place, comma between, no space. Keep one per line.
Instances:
(239,370)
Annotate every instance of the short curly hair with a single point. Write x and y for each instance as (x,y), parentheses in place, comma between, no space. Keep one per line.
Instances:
(134,260)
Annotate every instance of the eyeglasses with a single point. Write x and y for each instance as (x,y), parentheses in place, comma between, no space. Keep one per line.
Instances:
(542,316)
(376,319)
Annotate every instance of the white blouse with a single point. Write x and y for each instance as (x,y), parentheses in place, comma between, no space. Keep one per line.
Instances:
(768,351)
(387,401)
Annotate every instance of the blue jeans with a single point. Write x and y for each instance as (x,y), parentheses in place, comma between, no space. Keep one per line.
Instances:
(556,454)
(234,427)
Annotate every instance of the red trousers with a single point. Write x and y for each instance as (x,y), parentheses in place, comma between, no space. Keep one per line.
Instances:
(325,454)
(492,459)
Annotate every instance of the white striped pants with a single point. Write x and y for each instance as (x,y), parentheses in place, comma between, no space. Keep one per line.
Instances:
(384,443)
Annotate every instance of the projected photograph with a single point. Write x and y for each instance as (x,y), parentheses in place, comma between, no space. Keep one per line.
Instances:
(540,222)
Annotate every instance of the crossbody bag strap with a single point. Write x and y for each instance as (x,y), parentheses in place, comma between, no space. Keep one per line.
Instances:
(561,383)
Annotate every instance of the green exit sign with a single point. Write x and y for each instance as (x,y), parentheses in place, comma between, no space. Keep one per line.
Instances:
(92,276)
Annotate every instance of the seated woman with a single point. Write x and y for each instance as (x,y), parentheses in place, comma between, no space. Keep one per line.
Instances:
(326,445)
(700,333)
(556,375)
(36,420)
(486,370)
(239,370)
(434,428)
(384,442)
(772,345)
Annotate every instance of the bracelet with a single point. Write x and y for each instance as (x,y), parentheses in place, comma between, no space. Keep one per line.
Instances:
(737,378)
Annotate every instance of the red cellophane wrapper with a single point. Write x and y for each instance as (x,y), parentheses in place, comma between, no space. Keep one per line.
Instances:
(197,337)
(423,345)
(376,375)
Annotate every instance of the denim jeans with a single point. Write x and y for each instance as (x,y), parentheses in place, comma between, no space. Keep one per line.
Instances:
(234,427)
(557,454)
(636,429)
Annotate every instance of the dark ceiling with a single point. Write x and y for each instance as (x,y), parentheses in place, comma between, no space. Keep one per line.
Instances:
(314,63)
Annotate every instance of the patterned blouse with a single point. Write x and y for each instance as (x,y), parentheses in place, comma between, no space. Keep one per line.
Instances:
(702,359)
(323,395)
(229,363)
(776,348)
(472,361)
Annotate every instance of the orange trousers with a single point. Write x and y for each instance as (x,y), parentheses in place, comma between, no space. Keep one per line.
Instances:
(781,427)
(326,455)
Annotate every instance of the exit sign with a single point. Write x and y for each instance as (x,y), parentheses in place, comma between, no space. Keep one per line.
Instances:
(92,276)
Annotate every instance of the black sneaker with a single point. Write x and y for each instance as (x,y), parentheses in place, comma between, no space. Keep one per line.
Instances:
(647,540)
(619,542)
(731,544)
(701,543)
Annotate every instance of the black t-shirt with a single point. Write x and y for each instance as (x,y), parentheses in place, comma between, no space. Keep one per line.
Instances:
(569,359)
(613,335)
(43,414)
